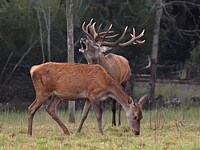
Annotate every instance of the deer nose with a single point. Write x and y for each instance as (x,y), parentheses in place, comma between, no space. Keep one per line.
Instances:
(82,40)
(136,132)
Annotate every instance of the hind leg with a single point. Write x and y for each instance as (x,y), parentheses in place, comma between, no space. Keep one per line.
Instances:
(32,110)
(51,109)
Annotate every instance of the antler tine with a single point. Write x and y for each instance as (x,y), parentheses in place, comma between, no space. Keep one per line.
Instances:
(93,31)
(99,28)
(83,27)
(90,21)
(137,37)
(133,32)
(86,30)
(89,25)
(122,34)
(141,34)
(140,42)
(116,42)
(102,33)
(103,37)
(111,36)
(134,39)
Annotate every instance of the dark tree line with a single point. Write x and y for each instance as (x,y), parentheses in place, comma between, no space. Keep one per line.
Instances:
(23,23)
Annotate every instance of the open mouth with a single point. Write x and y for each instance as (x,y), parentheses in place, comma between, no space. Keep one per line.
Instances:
(83,46)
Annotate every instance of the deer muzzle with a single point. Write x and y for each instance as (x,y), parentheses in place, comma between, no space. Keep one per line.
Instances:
(83,45)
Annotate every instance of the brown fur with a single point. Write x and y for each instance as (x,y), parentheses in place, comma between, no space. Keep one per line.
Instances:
(93,48)
(116,65)
(78,81)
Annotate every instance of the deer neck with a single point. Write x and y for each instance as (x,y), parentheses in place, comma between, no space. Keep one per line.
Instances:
(120,95)
(101,60)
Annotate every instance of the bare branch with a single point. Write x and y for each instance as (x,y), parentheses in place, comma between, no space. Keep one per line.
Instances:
(4,68)
(18,63)
(181,3)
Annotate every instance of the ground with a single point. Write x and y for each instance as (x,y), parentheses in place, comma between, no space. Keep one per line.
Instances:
(172,128)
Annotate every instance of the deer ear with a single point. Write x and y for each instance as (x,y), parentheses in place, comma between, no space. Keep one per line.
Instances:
(130,101)
(133,104)
(143,99)
(104,49)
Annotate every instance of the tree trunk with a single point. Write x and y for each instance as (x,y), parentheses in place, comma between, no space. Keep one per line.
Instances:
(70,50)
(49,34)
(47,18)
(41,36)
(155,51)
(155,47)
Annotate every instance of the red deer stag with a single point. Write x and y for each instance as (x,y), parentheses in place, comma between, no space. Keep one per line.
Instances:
(70,81)
(93,47)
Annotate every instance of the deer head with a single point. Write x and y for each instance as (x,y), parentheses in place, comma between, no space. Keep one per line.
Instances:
(134,116)
(97,42)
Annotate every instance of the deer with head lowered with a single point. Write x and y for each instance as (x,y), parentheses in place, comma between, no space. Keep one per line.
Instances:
(93,47)
(71,81)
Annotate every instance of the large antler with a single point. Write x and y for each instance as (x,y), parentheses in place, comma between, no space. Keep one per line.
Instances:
(93,35)
(133,40)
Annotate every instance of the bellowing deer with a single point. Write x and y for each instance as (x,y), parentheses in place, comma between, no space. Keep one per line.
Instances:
(70,81)
(93,47)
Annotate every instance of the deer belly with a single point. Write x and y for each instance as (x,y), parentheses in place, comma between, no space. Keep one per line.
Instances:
(104,97)
(72,95)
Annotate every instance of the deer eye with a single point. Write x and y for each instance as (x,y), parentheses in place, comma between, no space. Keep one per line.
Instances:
(135,117)
(97,45)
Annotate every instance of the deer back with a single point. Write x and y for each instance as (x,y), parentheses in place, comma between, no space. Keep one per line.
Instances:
(69,80)
(118,67)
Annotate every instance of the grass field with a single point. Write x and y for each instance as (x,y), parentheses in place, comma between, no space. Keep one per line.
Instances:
(170,129)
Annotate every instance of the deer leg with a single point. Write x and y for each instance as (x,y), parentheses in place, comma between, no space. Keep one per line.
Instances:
(85,112)
(113,112)
(101,106)
(51,108)
(124,85)
(98,113)
(31,112)
(119,116)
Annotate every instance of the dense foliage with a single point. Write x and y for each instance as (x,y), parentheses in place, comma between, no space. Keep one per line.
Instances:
(20,36)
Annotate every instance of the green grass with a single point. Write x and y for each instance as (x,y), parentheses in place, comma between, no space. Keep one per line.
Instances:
(170,129)
(175,90)
(169,89)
